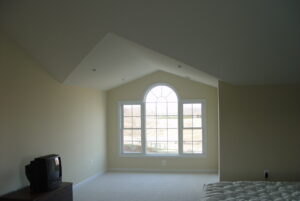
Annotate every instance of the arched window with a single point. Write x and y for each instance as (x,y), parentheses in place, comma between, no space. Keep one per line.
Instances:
(161,116)
(162,124)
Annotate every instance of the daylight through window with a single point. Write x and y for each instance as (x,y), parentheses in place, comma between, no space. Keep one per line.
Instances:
(161,120)
(162,124)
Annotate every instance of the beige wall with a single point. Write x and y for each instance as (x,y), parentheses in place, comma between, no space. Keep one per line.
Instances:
(187,89)
(259,129)
(39,116)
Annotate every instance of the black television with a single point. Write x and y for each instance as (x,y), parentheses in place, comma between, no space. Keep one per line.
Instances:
(44,173)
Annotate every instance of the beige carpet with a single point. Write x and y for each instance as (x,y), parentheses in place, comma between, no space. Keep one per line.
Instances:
(144,187)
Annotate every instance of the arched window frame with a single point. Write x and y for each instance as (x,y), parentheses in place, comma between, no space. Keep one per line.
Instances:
(157,128)
(181,102)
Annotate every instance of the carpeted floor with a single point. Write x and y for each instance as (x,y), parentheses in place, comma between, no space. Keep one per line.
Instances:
(144,187)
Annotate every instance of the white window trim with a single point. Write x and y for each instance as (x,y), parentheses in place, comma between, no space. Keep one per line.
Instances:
(180,129)
(204,128)
(120,116)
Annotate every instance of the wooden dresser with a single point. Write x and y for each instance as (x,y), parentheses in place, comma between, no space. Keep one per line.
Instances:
(63,193)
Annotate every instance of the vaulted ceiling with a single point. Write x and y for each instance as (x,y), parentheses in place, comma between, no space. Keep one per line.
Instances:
(241,42)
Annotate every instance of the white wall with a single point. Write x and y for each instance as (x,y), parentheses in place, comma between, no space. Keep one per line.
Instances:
(187,89)
(39,116)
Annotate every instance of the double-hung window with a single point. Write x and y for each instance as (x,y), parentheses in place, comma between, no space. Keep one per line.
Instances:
(192,130)
(131,128)
(162,125)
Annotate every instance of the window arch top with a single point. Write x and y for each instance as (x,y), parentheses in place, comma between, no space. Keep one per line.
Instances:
(161,93)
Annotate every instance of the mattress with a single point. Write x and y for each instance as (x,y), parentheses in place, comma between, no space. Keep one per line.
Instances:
(252,191)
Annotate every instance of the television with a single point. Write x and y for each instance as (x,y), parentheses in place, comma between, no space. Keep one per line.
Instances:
(44,173)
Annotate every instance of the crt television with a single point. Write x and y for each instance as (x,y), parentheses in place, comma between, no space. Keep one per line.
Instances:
(44,173)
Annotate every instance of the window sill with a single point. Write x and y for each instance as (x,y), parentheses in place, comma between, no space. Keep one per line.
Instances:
(133,155)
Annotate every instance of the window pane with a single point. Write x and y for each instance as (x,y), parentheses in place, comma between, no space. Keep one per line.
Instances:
(162,147)
(172,122)
(136,122)
(172,108)
(127,135)
(127,110)
(137,143)
(127,122)
(197,134)
(151,98)
(187,109)
(151,147)
(150,108)
(151,134)
(136,135)
(173,147)
(197,121)
(130,147)
(197,109)
(151,121)
(197,147)
(162,122)
(187,147)
(173,135)
(187,121)
(161,100)
(162,135)
(166,91)
(172,98)
(187,135)
(136,110)
(161,108)
(157,91)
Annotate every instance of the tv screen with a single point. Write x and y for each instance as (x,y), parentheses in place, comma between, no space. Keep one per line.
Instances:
(53,168)
(44,173)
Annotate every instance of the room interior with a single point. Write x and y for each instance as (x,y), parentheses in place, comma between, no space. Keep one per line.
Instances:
(66,67)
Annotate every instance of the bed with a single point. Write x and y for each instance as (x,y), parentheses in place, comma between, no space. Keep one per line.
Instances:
(252,191)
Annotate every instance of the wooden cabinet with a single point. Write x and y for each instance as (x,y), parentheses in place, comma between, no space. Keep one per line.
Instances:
(63,193)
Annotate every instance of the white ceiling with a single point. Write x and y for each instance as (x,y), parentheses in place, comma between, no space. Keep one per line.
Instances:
(241,42)
(115,61)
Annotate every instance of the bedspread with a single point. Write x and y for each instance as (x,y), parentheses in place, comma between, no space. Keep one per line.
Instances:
(252,191)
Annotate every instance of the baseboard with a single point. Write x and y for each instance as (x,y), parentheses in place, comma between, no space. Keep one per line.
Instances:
(212,171)
(88,179)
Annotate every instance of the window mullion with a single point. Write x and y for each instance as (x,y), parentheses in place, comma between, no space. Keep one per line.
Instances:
(156,122)
(121,128)
(180,127)
(193,128)
(167,119)
(143,127)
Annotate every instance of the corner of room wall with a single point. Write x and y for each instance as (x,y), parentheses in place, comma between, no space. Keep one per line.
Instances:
(259,128)
(40,116)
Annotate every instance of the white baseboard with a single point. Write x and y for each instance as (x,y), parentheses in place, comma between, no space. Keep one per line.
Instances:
(212,171)
(88,179)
